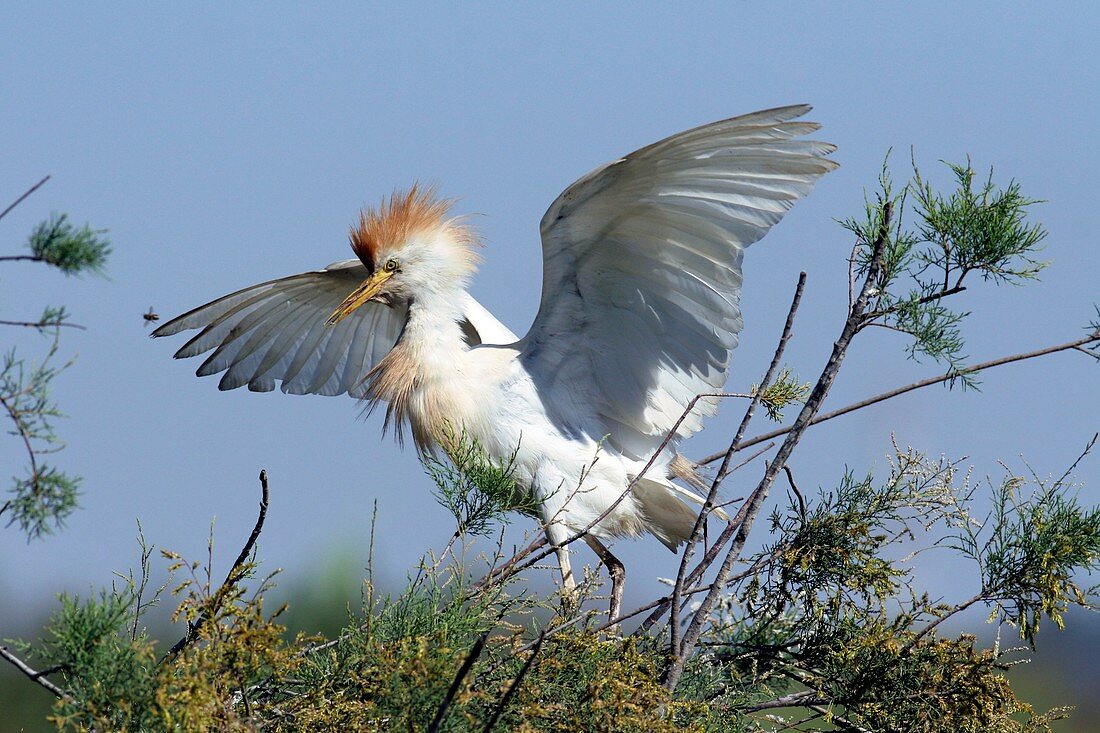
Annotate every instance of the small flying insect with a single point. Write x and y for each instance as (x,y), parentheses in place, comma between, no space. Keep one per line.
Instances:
(150,316)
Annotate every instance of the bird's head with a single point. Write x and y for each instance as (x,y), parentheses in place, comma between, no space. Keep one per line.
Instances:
(412,251)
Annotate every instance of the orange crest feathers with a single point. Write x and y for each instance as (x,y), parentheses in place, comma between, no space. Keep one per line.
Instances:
(398,217)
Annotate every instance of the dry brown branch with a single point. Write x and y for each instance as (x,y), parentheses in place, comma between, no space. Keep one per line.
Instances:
(236,572)
(20,200)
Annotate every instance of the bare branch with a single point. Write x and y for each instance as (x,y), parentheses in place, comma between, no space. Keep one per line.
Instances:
(920,301)
(927,629)
(839,721)
(547,633)
(20,200)
(1076,344)
(25,435)
(231,579)
(42,324)
(505,570)
(514,687)
(464,670)
(797,493)
(38,677)
(1093,354)
(795,699)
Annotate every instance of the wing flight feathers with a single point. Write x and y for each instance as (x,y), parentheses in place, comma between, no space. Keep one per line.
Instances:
(275,332)
(642,270)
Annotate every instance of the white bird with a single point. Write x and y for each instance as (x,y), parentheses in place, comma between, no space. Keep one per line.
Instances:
(639,313)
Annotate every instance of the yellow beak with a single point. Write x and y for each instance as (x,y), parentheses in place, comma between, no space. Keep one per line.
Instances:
(368,290)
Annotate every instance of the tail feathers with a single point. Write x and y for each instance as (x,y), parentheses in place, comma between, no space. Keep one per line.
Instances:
(669,519)
(667,515)
(688,472)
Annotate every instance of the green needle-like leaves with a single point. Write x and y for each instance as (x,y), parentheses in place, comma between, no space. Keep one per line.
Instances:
(980,230)
(70,249)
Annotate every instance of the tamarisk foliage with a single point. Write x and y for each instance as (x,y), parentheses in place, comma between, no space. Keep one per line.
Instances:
(477,490)
(970,232)
(824,628)
(39,501)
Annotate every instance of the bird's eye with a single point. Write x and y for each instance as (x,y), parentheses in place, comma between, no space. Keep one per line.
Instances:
(390,265)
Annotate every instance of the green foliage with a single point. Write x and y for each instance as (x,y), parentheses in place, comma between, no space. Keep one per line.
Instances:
(784,390)
(110,676)
(41,500)
(1030,550)
(981,230)
(70,249)
(984,230)
(826,621)
(830,612)
(477,490)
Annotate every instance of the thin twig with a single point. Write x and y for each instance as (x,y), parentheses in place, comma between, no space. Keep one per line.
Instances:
(558,629)
(464,670)
(20,200)
(256,529)
(751,507)
(697,572)
(516,558)
(514,687)
(42,324)
(231,578)
(839,720)
(928,629)
(852,274)
(797,493)
(1093,354)
(919,301)
(39,677)
(763,449)
(1093,337)
(25,435)
(1073,466)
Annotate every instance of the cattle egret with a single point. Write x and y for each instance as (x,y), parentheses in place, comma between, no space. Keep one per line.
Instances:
(639,313)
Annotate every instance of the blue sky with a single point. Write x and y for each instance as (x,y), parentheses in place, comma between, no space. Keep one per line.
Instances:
(225,145)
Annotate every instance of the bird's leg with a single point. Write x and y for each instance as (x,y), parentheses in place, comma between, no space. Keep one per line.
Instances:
(617,572)
(556,534)
(567,583)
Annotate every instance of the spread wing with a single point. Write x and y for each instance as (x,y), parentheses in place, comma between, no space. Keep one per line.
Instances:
(642,271)
(276,331)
